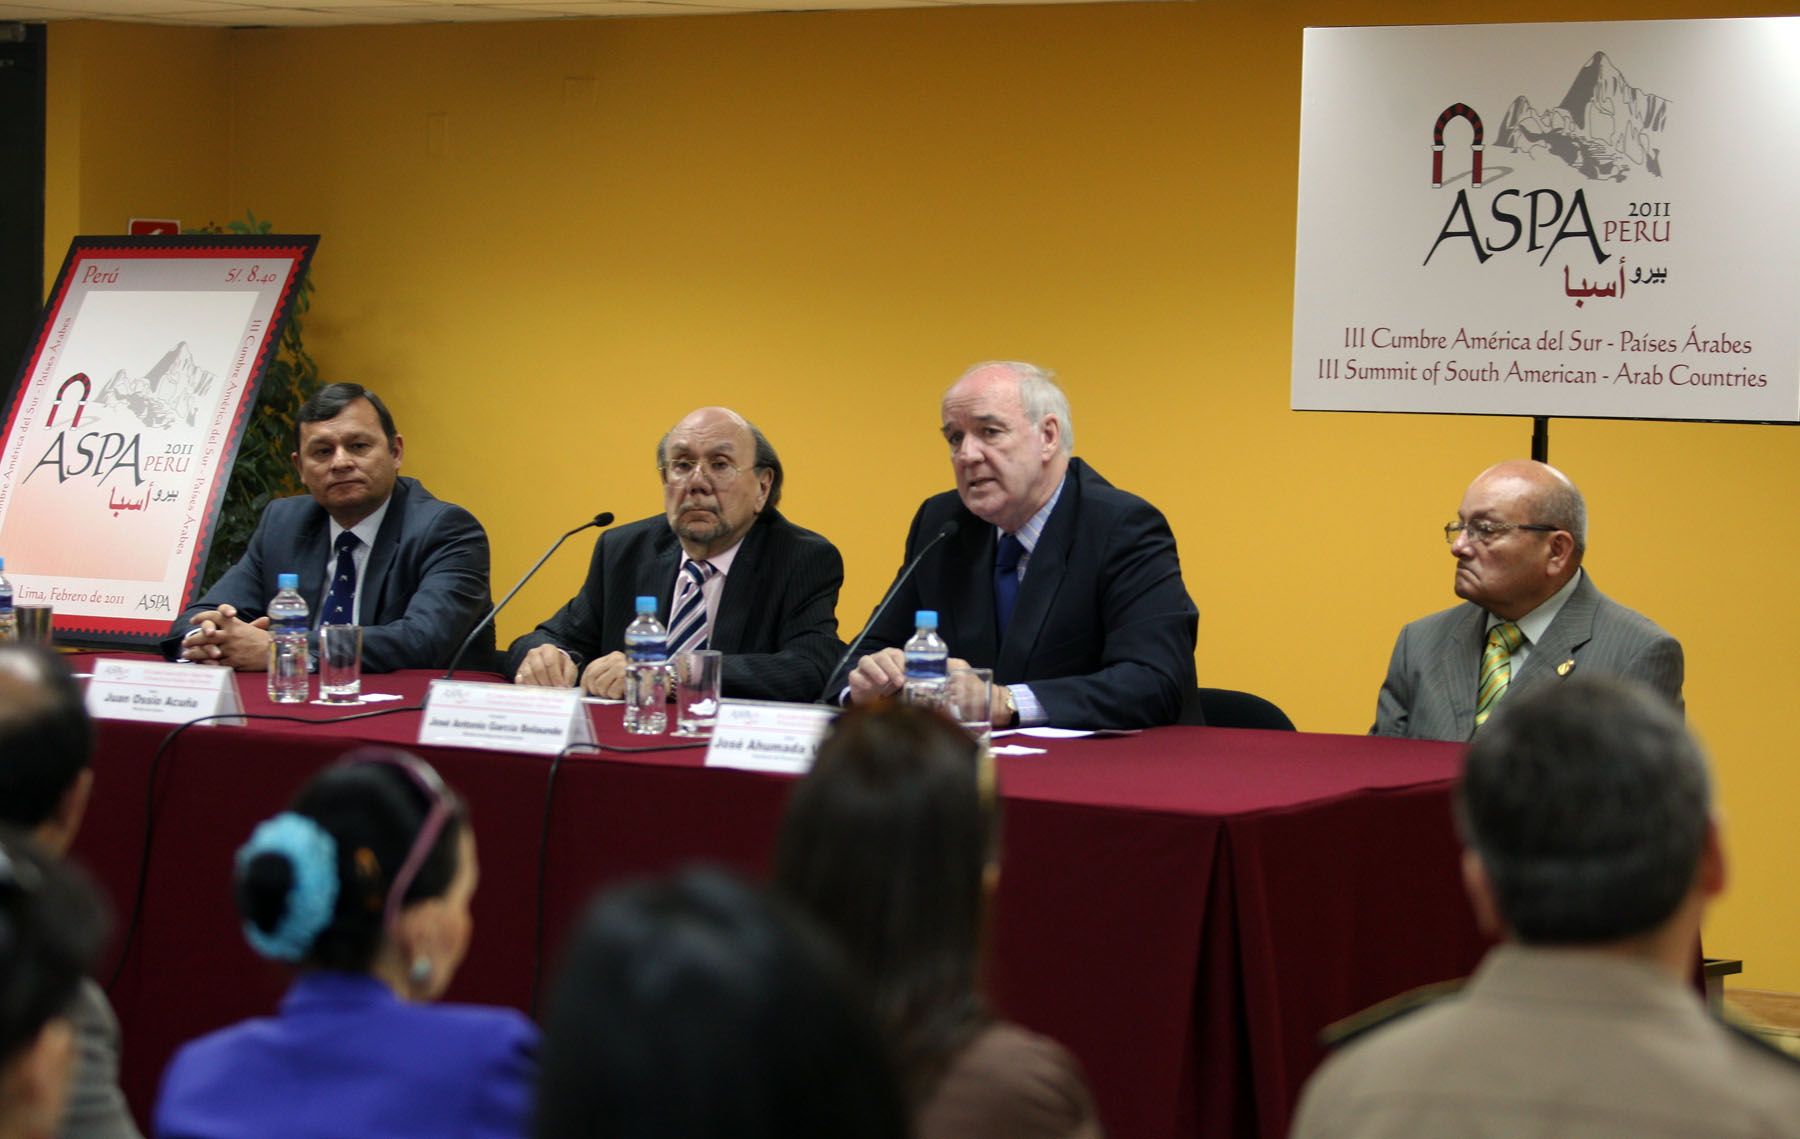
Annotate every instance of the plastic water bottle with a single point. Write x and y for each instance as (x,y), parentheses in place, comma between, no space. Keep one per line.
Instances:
(289,657)
(646,672)
(927,659)
(9,621)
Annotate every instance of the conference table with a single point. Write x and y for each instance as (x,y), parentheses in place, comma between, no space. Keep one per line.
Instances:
(1184,909)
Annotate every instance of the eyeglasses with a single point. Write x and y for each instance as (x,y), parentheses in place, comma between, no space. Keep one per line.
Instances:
(1483,531)
(718,470)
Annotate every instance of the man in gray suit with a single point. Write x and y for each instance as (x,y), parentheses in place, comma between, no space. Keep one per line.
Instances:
(1530,614)
(1591,849)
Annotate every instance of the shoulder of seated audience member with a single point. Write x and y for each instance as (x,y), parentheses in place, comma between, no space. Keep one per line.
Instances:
(1358,1025)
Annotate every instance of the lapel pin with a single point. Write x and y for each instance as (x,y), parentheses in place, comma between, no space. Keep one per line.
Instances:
(1566,667)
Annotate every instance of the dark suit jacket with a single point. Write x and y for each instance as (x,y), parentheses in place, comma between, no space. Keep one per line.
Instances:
(1103,629)
(425,586)
(1429,692)
(777,619)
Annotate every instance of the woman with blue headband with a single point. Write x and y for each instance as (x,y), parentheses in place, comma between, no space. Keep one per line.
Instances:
(364,883)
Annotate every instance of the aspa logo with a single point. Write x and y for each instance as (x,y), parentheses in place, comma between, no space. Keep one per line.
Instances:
(1604,129)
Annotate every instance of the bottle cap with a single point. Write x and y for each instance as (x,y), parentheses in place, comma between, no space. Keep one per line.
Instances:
(646,605)
(925,618)
(287,581)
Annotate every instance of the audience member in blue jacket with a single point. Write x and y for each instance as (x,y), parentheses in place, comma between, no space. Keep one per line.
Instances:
(364,882)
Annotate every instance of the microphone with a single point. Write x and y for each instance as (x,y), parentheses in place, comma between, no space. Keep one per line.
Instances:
(947,530)
(604,518)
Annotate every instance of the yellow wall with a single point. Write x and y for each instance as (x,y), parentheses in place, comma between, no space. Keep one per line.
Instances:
(138,125)
(820,218)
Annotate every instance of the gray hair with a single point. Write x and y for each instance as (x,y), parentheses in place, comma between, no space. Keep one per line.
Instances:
(1039,395)
(1588,804)
(766,459)
(1562,506)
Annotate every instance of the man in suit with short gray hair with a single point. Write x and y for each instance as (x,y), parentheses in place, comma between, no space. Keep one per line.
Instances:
(1530,614)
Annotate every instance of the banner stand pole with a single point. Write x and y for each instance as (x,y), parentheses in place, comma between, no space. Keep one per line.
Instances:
(1540,438)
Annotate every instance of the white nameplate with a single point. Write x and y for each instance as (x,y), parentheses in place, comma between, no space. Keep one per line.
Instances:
(763,735)
(505,717)
(162,693)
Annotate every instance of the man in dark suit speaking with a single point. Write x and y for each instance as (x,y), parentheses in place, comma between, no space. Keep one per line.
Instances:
(1067,587)
(727,570)
(371,548)
(1530,614)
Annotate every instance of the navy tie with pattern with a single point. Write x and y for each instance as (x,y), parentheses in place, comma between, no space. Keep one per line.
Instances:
(1006,579)
(340,599)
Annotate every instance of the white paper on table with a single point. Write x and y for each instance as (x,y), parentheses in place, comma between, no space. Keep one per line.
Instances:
(1017,749)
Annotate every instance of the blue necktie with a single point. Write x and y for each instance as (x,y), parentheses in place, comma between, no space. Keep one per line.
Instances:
(1006,579)
(687,625)
(340,599)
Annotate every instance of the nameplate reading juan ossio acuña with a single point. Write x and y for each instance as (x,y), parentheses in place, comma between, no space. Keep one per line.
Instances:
(162,693)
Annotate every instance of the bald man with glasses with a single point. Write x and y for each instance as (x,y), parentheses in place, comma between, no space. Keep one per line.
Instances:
(1530,614)
(727,570)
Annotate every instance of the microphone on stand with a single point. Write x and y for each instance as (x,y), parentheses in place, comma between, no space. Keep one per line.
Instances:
(947,530)
(604,518)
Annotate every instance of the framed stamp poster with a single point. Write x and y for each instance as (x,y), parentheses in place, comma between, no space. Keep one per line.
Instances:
(125,420)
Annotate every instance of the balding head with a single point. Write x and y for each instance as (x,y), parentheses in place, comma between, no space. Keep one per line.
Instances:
(1537,527)
(733,476)
(45,741)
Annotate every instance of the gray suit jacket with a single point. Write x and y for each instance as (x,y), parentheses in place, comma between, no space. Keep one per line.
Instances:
(96,1108)
(1429,692)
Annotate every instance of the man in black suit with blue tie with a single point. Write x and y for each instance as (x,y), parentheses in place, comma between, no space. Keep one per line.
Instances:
(1067,587)
(728,572)
(372,548)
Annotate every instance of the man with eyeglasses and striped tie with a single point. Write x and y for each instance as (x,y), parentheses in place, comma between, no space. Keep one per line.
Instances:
(728,572)
(1530,614)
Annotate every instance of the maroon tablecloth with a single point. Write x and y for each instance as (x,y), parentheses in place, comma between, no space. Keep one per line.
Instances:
(1184,909)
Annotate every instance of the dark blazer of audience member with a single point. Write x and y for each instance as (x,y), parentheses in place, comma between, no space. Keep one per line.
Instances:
(51,930)
(421,563)
(46,743)
(772,608)
(1592,849)
(1102,629)
(696,1007)
(1519,540)
(364,883)
(891,843)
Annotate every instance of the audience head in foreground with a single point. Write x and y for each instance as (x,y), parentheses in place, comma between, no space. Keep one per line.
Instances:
(1592,850)
(697,1007)
(51,928)
(46,741)
(364,883)
(892,843)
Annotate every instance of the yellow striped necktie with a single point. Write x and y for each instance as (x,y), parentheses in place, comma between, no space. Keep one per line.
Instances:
(1503,640)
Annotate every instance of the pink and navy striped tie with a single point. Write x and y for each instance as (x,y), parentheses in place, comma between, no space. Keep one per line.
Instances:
(688,625)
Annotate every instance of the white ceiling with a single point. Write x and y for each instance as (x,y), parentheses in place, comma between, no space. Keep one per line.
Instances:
(317,13)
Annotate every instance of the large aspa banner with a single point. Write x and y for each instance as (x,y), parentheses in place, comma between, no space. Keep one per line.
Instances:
(1551,219)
